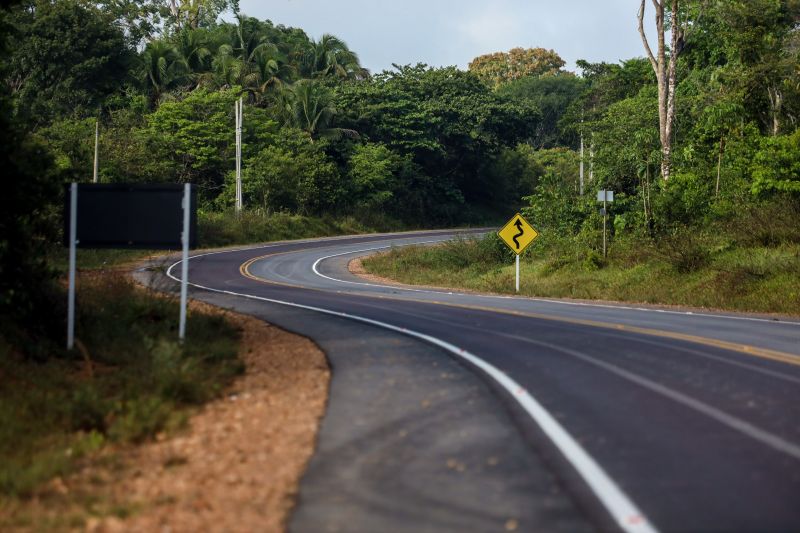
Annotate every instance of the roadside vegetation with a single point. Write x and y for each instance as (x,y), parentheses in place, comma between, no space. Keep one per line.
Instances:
(706,176)
(128,380)
(749,263)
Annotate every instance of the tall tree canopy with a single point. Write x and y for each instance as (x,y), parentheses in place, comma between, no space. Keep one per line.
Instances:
(503,67)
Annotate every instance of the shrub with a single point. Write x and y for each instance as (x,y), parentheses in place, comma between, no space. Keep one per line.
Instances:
(776,167)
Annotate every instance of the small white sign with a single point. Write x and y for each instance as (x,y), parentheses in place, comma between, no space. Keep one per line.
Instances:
(605,196)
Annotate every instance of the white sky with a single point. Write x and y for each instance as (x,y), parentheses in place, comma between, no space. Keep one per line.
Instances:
(453,32)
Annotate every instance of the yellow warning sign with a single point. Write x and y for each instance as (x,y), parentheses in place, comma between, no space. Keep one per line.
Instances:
(518,234)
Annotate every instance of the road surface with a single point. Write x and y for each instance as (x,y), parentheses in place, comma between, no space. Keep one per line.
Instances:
(455,411)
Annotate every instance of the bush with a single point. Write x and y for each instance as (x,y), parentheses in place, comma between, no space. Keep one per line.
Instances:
(294,174)
(776,167)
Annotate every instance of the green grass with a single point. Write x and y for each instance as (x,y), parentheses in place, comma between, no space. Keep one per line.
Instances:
(133,381)
(702,274)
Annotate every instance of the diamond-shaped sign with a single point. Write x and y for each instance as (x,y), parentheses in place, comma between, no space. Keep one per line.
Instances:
(518,234)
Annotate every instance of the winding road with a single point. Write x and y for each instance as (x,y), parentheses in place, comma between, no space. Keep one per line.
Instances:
(459,411)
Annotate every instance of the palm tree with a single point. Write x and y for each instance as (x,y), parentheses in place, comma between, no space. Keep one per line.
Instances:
(308,105)
(195,48)
(163,69)
(273,70)
(330,56)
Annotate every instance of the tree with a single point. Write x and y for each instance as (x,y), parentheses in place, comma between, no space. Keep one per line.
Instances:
(195,136)
(330,56)
(503,67)
(374,172)
(69,57)
(308,105)
(196,13)
(666,70)
(552,95)
(26,280)
(446,121)
(291,173)
(776,167)
(163,69)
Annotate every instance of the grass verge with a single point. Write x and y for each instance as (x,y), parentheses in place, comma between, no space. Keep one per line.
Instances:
(129,380)
(690,271)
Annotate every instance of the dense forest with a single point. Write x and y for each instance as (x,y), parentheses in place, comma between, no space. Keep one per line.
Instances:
(418,145)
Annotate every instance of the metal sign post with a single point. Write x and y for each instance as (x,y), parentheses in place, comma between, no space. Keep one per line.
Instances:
(187,205)
(95,175)
(605,197)
(518,235)
(129,216)
(73,229)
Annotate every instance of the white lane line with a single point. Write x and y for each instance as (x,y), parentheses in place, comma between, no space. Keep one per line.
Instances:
(532,299)
(746,428)
(764,371)
(624,512)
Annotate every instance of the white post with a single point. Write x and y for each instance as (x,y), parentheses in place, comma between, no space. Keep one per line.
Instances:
(73,230)
(517,272)
(605,219)
(581,178)
(239,107)
(187,200)
(591,159)
(96,150)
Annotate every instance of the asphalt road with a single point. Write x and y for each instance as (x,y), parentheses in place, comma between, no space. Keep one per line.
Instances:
(453,411)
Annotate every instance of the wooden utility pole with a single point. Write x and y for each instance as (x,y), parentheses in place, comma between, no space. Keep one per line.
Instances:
(666,73)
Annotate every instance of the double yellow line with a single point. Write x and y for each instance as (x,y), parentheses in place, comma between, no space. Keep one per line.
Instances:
(763,353)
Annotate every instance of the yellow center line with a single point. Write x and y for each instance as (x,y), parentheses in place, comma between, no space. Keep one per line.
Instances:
(763,353)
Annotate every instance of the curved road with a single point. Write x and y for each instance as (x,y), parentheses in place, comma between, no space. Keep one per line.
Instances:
(462,411)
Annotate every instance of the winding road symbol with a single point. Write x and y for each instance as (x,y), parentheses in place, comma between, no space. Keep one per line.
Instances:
(518,224)
(518,234)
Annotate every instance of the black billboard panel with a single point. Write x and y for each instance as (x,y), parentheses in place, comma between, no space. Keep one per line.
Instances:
(131,216)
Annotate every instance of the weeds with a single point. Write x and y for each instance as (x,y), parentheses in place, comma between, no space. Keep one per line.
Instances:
(689,268)
(53,409)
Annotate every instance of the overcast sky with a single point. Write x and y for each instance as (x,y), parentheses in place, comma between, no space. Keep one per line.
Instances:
(453,32)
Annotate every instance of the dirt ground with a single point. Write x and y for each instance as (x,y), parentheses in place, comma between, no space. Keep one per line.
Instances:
(239,465)
(236,467)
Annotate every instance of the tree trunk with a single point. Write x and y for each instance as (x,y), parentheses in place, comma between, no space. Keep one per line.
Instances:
(666,75)
(776,105)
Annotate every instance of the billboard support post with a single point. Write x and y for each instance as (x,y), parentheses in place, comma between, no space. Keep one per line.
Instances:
(187,200)
(129,216)
(73,227)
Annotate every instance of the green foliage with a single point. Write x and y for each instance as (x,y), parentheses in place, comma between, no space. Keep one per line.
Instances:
(26,280)
(194,136)
(626,142)
(554,205)
(294,174)
(71,143)
(53,412)
(776,167)
(553,96)
(374,173)
(446,122)
(69,57)
(689,268)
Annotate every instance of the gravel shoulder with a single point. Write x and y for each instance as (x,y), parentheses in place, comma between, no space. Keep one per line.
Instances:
(239,464)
